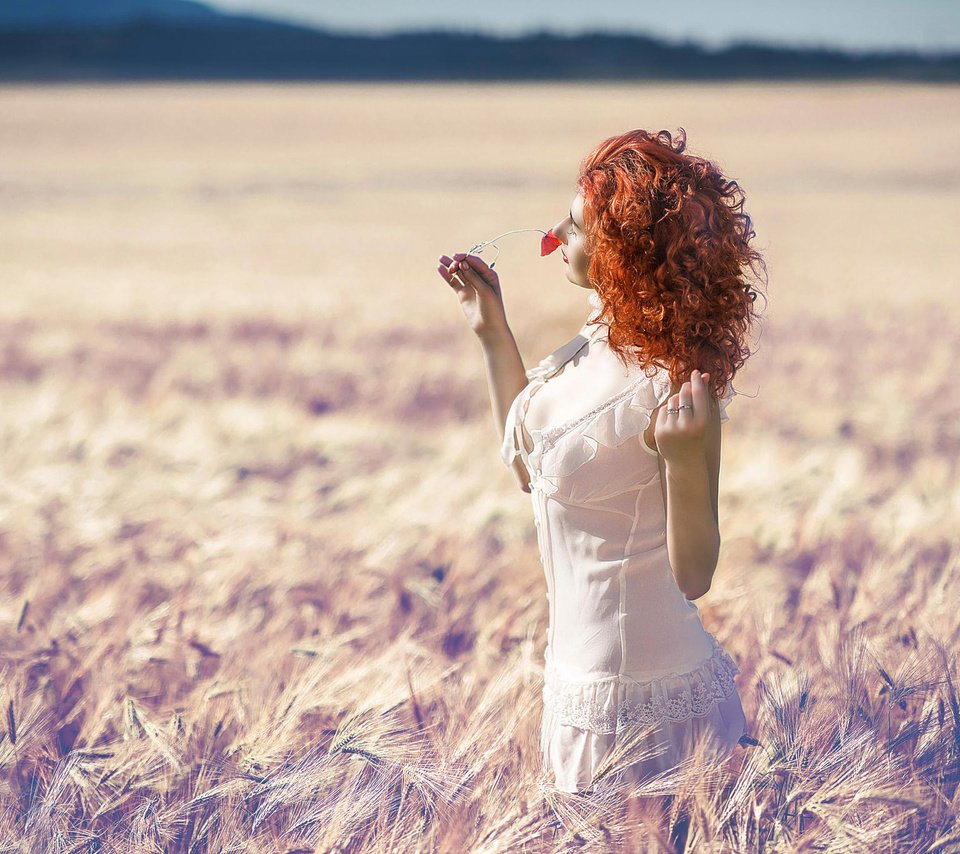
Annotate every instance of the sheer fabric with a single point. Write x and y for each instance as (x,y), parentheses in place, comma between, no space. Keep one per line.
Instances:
(624,645)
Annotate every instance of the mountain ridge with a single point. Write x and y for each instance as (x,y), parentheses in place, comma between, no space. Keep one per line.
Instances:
(38,14)
(186,40)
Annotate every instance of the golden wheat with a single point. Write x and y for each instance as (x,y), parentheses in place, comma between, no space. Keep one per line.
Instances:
(266,586)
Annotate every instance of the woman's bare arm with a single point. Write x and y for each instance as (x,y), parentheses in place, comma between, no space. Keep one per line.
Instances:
(506,378)
(693,535)
(689,476)
(477,287)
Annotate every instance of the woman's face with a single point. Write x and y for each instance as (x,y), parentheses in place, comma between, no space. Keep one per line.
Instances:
(570,231)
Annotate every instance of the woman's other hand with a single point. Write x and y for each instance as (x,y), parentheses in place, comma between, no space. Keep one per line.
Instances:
(681,436)
(478,289)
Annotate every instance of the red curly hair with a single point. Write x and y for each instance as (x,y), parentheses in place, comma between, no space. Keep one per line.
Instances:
(668,245)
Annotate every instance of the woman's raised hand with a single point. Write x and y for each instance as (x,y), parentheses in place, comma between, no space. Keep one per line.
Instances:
(681,436)
(478,289)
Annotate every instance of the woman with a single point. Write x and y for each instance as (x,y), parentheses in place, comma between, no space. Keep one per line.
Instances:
(616,435)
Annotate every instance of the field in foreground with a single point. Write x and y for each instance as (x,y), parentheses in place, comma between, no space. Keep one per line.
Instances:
(265,585)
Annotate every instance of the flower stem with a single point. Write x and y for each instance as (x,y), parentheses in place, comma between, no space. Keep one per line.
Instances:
(480,246)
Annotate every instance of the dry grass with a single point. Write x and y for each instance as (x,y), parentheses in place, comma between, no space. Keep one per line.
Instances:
(266,586)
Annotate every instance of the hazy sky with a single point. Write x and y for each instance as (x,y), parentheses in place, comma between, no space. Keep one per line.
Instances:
(927,25)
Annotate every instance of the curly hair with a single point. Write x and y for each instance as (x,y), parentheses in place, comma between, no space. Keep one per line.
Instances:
(668,245)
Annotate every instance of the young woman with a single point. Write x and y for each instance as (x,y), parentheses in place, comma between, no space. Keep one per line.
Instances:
(616,436)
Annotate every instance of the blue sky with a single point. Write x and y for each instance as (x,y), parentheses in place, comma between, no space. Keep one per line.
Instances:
(927,25)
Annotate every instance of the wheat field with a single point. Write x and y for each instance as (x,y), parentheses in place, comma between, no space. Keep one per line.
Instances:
(265,583)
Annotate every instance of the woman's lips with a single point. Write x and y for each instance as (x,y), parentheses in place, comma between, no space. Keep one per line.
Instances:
(565,259)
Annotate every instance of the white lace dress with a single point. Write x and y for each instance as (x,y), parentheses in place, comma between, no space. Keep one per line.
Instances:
(624,644)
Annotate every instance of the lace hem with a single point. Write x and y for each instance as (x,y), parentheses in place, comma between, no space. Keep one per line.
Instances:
(607,705)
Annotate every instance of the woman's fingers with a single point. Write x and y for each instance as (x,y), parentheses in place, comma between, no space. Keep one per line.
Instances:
(452,265)
(484,275)
(464,269)
(664,416)
(684,399)
(449,270)
(459,257)
(698,392)
(450,262)
(470,274)
(707,393)
(450,278)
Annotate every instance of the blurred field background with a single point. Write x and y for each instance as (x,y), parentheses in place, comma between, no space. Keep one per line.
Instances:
(264,583)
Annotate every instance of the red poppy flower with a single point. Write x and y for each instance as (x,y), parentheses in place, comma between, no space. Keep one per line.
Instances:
(549,242)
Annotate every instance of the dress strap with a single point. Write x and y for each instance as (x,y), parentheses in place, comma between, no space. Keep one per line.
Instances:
(550,365)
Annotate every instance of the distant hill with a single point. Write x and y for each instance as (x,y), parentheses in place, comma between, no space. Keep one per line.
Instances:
(34,14)
(182,40)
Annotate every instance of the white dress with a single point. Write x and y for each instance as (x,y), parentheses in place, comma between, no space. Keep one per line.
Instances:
(624,644)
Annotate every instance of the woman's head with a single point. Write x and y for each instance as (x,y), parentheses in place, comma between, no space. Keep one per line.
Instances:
(572,232)
(662,237)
